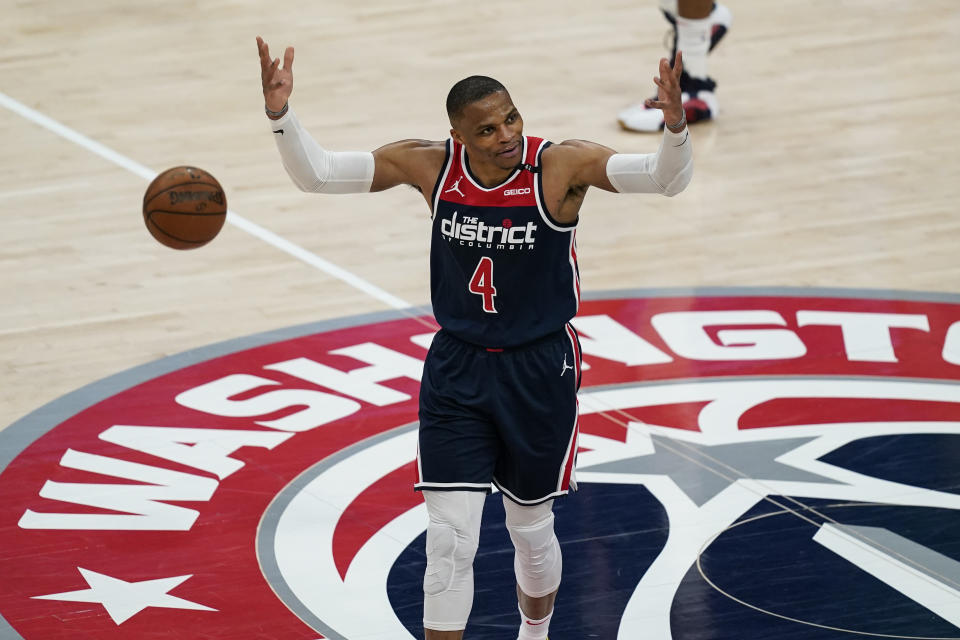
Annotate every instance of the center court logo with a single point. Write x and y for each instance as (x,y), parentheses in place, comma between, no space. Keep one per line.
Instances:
(267,483)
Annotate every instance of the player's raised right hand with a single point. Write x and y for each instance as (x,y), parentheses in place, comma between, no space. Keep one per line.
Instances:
(277,81)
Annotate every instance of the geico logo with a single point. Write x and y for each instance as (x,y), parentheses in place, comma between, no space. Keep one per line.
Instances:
(516,192)
(471,229)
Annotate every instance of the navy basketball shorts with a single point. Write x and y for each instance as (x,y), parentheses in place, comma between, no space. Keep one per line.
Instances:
(507,417)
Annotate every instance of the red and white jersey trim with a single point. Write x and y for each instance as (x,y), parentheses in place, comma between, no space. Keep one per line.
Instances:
(464,164)
(573,266)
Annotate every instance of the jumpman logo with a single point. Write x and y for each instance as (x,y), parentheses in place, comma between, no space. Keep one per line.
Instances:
(456,187)
(565,366)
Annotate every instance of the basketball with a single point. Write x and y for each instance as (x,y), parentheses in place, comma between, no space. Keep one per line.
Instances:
(184,208)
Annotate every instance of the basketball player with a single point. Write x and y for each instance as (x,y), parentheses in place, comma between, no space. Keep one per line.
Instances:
(498,394)
(698,26)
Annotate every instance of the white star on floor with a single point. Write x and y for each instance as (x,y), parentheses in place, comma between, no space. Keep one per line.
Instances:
(123,599)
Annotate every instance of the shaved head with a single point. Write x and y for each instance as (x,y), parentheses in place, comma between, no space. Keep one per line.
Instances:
(470,90)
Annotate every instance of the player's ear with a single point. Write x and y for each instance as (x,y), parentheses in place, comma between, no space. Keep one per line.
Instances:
(456,136)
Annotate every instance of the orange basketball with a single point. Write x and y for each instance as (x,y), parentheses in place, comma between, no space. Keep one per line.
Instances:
(184,208)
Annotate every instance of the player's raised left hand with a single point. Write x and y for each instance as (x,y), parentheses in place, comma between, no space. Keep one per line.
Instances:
(277,81)
(669,97)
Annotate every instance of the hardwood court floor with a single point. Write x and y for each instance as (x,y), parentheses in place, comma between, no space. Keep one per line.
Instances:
(833,162)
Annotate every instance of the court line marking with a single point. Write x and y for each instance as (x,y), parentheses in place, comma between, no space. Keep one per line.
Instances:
(233,218)
(706,578)
(50,188)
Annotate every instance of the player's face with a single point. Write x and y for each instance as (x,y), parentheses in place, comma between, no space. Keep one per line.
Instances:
(492,131)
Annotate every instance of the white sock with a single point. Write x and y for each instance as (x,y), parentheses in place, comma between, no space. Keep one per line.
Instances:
(670,6)
(534,629)
(693,39)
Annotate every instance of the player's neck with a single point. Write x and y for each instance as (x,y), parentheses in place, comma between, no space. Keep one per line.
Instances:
(490,175)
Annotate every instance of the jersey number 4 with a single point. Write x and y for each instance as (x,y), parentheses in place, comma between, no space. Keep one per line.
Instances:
(482,284)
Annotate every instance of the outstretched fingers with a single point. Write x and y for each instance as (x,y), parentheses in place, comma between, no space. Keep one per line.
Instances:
(277,80)
(274,79)
(264,50)
(668,85)
(665,70)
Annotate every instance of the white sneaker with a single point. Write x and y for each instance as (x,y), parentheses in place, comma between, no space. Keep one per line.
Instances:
(637,117)
(699,99)
(699,104)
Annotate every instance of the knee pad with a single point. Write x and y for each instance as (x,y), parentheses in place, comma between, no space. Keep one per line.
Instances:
(537,561)
(449,558)
(453,536)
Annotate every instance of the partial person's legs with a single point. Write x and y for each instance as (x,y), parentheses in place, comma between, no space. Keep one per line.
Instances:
(698,26)
(453,535)
(693,35)
(537,563)
(694,26)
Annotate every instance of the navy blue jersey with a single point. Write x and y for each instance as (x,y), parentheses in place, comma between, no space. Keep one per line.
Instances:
(503,272)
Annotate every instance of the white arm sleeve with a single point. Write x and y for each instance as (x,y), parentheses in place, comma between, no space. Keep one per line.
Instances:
(668,171)
(314,169)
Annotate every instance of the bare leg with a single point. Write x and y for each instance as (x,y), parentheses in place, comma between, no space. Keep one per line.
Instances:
(430,634)
(694,9)
(535,608)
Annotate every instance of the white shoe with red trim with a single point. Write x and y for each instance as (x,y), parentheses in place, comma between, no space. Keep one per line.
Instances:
(699,97)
